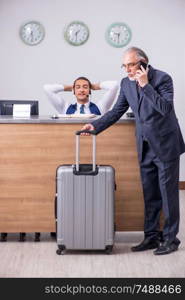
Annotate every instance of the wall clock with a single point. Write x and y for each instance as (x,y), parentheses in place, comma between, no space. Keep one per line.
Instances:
(76,33)
(32,33)
(118,34)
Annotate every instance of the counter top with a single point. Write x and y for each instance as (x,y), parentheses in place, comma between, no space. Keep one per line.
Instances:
(50,119)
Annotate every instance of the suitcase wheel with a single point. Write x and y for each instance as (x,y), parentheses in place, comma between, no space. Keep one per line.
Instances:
(61,250)
(108,249)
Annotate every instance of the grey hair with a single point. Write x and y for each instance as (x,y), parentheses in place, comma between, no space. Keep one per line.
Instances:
(140,53)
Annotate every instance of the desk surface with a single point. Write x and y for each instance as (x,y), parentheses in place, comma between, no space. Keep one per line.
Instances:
(50,119)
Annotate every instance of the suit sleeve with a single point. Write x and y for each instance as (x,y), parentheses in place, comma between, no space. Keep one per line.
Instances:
(160,97)
(112,116)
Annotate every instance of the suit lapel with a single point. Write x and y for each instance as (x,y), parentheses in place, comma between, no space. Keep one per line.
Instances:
(135,96)
(133,89)
(140,100)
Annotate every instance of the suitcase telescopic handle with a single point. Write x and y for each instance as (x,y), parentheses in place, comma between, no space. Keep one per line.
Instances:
(93,133)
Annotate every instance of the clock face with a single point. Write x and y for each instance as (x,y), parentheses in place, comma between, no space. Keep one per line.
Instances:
(118,35)
(32,33)
(76,33)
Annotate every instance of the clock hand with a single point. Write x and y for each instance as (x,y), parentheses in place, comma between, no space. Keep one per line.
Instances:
(31,35)
(116,33)
(76,33)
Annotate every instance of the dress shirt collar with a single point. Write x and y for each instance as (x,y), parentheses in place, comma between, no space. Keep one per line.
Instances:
(86,105)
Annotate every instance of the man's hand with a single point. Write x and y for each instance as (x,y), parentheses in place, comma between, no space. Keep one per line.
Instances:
(87,127)
(95,86)
(68,88)
(142,76)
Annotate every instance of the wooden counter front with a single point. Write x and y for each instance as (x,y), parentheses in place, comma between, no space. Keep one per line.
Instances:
(29,156)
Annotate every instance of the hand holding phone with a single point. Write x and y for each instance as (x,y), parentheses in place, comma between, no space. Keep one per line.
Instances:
(143,64)
(141,75)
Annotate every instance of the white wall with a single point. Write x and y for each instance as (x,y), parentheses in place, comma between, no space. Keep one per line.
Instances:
(157,27)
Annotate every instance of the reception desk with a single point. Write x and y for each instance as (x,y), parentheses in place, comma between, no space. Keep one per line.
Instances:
(32,149)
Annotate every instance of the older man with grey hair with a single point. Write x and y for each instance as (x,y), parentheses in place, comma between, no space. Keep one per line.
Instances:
(149,93)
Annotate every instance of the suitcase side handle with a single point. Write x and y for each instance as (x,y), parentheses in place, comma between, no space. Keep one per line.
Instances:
(93,132)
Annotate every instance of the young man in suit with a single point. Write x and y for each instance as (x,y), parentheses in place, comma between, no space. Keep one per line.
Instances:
(149,93)
(82,90)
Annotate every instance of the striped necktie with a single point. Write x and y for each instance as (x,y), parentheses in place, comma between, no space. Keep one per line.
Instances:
(82,109)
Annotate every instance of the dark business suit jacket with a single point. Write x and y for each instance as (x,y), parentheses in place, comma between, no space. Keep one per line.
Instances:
(154,114)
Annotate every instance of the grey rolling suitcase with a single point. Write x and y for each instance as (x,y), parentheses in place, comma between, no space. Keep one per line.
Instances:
(85,205)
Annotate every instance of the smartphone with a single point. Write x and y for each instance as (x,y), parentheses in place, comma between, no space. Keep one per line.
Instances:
(143,64)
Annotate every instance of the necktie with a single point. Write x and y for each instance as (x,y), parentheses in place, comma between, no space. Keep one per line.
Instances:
(82,109)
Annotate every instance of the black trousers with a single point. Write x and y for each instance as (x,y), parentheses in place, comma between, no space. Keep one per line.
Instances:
(160,182)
